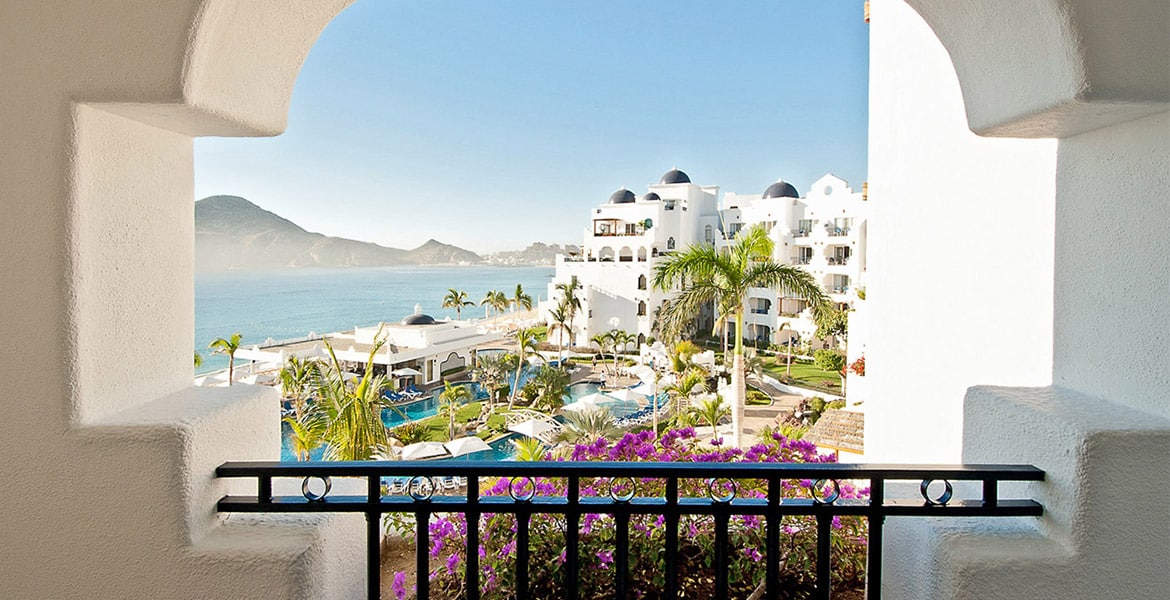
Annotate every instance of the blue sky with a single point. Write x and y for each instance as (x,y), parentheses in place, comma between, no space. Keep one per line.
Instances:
(490,125)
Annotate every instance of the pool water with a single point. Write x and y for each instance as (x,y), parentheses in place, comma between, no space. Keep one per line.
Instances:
(428,406)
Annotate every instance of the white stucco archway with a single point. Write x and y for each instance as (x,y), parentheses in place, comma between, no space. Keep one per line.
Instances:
(99,111)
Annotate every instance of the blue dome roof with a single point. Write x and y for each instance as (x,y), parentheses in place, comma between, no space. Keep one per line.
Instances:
(651,197)
(675,176)
(622,196)
(418,319)
(781,189)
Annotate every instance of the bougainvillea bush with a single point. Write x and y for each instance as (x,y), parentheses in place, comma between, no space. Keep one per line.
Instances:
(497,551)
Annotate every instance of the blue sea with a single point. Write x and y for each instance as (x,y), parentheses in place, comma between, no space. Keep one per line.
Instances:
(292,303)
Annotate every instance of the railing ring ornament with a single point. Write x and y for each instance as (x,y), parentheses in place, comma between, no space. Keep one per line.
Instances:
(821,495)
(421,488)
(725,497)
(626,496)
(307,489)
(525,491)
(941,499)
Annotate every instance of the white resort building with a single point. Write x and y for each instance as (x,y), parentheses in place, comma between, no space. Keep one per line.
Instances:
(824,232)
(417,350)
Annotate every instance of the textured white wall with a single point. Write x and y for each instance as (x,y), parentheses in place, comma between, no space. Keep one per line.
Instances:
(960,240)
(112,450)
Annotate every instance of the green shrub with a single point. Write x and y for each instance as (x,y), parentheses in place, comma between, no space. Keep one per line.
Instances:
(829,360)
(409,433)
(758,398)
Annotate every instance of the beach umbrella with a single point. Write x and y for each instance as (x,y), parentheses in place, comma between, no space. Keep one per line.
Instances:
(466,445)
(422,450)
(532,428)
(626,395)
(405,372)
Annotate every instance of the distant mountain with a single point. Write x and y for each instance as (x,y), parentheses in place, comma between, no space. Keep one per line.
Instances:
(538,253)
(233,233)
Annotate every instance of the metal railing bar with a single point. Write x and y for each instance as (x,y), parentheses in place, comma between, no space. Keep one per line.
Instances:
(772,542)
(572,537)
(670,584)
(686,506)
(908,472)
(621,558)
(824,560)
(373,556)
(522,555)
(471,563)
(721,562)
(873,555)
(422,567)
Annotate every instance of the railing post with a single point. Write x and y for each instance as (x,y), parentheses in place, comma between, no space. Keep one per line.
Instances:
(471,573)
(824,561)
(422,565)
(374,539)
(572,537)
(873,557)
(772,541)
(670,586)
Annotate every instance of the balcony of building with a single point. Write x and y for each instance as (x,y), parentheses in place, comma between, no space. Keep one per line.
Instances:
(97,247)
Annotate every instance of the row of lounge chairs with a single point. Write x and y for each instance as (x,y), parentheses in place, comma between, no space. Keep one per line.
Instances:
(641,417)
(401,486)
(410,393)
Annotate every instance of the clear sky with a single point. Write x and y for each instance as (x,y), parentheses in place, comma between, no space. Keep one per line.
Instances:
(491,125)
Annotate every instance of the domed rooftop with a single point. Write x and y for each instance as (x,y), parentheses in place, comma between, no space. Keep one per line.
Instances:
(418,318)
(622,196)
(781,189)
(675,176)
(651,197)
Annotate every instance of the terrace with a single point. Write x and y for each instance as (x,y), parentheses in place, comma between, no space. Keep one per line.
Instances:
(1046,106)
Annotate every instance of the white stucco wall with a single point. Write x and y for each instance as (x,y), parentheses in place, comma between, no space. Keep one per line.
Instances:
(959,249)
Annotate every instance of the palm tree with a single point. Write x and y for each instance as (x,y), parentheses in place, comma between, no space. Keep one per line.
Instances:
(529,450)
(491,370)
(585,427)
(712,410)
(520,299)
(602,340)
(198,359)
(352,409)
(570,302)
(227,346)
(687,384)
(488,302)
(308,433)
(710,275)
(560,322)
(452,398)
(552,383)
(620,339)
(456,299)
(296,377)
(788,364)
(526,340)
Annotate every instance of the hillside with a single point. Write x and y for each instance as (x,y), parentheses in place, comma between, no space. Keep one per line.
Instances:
(538,253)
(233,233)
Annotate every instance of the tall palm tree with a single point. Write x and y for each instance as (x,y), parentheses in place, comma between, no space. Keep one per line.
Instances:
(602,340)
(456,299)
(560,322)
(451,399)
(619,338)
(709,275)
(788,364)
(526,341)
(488,302)
(570,302)
(520,299)
(227,346)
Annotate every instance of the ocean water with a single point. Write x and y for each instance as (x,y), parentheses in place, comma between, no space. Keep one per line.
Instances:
(292,303)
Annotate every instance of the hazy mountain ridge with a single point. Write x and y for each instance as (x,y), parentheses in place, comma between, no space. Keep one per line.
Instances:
(233,233)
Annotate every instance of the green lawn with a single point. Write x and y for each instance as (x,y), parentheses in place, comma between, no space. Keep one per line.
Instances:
(437,425)
(806,375)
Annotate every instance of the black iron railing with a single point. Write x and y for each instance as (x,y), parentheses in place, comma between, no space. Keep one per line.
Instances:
(421,500)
